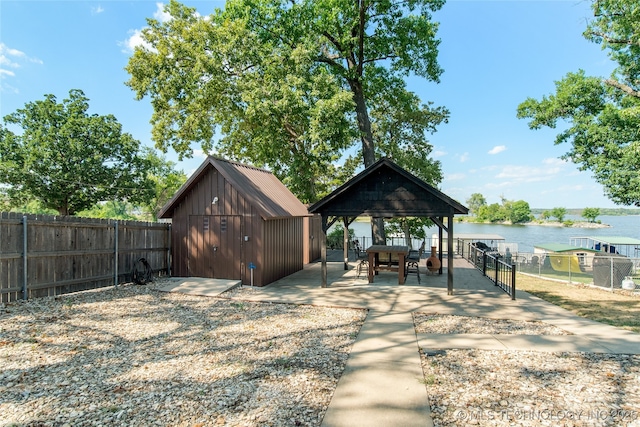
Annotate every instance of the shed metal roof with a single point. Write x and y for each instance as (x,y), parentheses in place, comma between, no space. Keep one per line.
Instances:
(261,187)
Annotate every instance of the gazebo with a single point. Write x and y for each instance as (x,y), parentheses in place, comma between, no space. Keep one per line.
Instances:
(385,190)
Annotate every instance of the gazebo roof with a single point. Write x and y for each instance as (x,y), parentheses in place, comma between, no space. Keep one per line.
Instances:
(384,189)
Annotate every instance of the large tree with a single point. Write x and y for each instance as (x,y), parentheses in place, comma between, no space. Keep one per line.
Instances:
(293,84)
(602,115)
(67,159)
(166,181)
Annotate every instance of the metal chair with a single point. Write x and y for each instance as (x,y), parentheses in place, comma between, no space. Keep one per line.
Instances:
(362,258)
(412,264)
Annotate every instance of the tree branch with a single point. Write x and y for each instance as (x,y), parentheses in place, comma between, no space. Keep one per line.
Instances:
(380,58)
(331,62)
(625,88)
(611,40)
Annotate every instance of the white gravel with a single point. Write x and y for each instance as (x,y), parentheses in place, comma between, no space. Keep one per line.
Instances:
(526,388)
(136,356)
(450,324)
(140,357)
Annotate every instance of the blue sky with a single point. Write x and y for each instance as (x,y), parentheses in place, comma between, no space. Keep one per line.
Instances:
(494,54)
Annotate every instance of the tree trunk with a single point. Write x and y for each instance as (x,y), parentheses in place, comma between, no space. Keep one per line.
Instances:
(368,150)
(364,124)
(407,233)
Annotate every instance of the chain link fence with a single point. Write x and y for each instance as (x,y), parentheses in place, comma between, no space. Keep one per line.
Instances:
(603,270)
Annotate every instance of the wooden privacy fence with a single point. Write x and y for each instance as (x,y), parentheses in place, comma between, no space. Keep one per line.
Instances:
(43,255)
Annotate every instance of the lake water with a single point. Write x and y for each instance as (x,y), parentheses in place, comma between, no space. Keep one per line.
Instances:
(526,236)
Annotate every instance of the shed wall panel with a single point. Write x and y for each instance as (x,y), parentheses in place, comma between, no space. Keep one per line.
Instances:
(276,247)
(283,254)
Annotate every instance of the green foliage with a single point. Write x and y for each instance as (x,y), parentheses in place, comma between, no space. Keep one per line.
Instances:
(110,210)
(492,213)
(518,212)
(410,227)
(515,212)
(293,85)
(335,238)
(30,207)
(558,213)
(68,160)
(166,181)
(590,214)
(475,201)
(603,114)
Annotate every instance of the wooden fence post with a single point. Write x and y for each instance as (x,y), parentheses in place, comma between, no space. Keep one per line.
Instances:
(169,252)
(115,274)
(25,291)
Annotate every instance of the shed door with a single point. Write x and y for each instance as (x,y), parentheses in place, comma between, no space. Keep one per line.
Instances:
(215,246)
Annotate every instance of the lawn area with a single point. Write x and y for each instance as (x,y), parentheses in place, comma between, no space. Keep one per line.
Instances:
(613,308)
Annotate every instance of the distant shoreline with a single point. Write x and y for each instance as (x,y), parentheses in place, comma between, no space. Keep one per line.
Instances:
(574,224)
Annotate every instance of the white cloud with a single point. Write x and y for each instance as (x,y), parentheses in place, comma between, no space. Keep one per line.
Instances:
(97,10)
(498,149)
(455,177)
(463,157)
(10,60)
(134,41)
(160,14)
(528,174)
(554,161)
(200,153)
(438,153)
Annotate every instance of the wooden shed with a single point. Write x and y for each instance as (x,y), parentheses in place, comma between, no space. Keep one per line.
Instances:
(230,218)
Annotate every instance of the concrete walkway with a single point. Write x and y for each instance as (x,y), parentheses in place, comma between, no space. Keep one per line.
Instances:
(383,383)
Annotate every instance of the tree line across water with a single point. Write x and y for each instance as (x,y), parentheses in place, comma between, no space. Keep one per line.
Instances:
(519,212)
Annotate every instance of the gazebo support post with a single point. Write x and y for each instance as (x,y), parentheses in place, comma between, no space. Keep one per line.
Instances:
(449,255)
(440,238)
(345,242)
(323,250)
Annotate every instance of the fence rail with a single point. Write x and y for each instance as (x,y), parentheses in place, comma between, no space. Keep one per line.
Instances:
(501,273)
(44,255)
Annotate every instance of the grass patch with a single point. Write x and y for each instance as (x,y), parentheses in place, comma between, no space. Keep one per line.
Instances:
(613,308)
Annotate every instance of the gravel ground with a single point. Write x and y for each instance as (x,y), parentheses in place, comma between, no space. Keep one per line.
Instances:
(526,388)
(448,324)
(136,356)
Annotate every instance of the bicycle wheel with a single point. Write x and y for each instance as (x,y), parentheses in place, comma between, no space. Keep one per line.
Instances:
(142,273)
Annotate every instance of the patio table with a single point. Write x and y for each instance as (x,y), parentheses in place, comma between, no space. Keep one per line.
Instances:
(381,257)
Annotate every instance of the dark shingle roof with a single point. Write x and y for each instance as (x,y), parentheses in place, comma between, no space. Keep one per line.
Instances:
(384,189)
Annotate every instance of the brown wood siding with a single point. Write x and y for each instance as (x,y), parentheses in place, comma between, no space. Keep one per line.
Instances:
(253,249)
(312,229)
(215,243)
(188,244)
(283,254)
(275,246)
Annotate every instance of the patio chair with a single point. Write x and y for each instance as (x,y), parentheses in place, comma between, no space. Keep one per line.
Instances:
(362,258)
(413,262)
